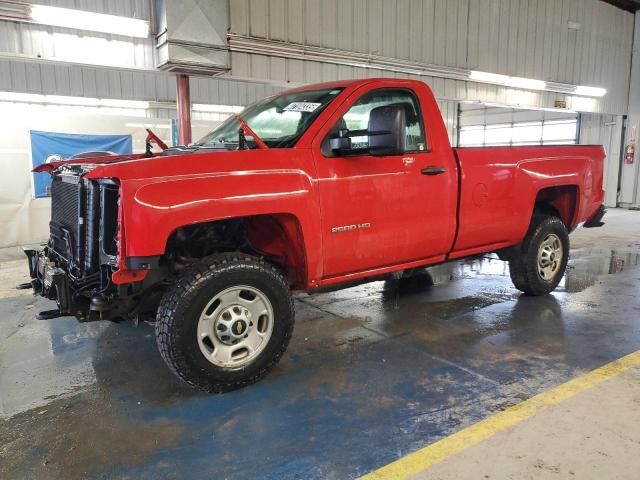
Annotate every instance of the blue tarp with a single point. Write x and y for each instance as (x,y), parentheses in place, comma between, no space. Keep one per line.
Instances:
(45,144)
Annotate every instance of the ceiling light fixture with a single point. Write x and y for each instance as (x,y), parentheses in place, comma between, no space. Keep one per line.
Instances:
(590,91)
(115,103)
(507,81)
(21,97)
(72,101)
(532,84)
(95,22)
(147,125)
(205,107)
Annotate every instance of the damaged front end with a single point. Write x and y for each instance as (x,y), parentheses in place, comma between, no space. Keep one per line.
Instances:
(76,266)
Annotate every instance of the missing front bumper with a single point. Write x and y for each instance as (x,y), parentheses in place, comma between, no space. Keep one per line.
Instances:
(49,281)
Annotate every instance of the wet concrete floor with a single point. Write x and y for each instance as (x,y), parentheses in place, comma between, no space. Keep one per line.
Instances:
(373,372)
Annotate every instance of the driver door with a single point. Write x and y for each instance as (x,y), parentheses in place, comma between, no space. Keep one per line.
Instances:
(381,211)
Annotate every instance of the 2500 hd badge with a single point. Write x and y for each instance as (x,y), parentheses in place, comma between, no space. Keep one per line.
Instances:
(347,228)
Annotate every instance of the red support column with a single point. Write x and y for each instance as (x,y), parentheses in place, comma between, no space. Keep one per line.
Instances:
(183,102)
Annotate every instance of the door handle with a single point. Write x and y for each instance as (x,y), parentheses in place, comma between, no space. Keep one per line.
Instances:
(433,170)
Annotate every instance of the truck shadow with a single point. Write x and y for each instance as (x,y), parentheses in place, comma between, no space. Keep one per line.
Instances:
(452,307)
(126,362)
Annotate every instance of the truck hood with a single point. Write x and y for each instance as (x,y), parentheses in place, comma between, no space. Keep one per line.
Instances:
(50,167)
(173,163)
(166,164)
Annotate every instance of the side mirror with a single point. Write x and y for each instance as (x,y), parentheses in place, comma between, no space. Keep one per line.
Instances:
(340,143)
(387,126)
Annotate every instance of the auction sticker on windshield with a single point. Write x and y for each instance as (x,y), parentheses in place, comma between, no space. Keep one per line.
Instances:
(301,107)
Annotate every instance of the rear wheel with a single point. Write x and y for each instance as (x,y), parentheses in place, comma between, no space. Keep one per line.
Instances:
(226,322)
(541,261)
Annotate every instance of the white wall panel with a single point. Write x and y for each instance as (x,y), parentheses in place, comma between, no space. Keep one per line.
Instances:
(529,38)
(605,130)
(26,219)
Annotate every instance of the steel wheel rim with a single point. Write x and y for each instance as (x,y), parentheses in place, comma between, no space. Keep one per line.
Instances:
(550,256)
(235,326)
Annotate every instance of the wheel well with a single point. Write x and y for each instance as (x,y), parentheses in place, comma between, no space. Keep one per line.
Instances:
(277,237)
(559,201)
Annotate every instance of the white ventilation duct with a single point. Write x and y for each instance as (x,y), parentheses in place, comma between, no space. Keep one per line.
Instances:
(192,36)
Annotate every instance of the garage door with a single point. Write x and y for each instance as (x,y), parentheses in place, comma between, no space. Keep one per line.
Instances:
(480,126)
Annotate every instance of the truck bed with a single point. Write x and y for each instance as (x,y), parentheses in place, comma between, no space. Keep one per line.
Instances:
(498,184)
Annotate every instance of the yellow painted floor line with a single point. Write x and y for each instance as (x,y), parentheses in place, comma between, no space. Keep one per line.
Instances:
(422,459)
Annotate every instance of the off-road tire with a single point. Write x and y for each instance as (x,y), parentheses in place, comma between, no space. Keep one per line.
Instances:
(182,304)
(523,264)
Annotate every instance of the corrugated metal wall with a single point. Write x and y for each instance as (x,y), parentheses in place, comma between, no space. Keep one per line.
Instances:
(39,41)
(72,80)
(528,38)
(58,44)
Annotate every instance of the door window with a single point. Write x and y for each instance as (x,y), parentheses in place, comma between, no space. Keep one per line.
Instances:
(356,119)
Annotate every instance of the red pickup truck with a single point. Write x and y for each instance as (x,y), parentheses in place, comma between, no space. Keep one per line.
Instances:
(314,187)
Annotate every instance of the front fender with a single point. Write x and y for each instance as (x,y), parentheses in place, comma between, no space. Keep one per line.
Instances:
(154,208)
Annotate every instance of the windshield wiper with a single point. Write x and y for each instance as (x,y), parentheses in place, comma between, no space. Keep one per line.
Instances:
(245,130)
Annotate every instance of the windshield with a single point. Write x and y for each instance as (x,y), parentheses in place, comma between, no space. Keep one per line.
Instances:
(279,121)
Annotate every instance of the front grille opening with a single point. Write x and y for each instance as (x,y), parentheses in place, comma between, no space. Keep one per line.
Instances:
(65,212)
(65,199)
(109,219)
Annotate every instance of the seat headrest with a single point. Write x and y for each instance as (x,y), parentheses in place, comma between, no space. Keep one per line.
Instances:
(409,110)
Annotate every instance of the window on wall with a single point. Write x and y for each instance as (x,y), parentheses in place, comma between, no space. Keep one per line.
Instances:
(493,126)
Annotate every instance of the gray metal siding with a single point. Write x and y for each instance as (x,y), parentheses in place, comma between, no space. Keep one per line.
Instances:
(72,80)
(41,41)
(516,37)
(528,38)
(54,43)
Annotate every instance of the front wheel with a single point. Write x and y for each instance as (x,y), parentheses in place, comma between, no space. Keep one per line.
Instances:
(226,322)
(541,261)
